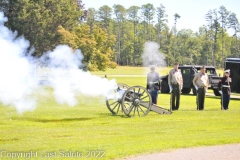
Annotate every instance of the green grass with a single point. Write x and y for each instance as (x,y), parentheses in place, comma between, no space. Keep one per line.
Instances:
(126,70)
(89,126)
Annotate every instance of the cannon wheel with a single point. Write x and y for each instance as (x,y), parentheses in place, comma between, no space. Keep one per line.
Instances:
(136,101)
(114,104)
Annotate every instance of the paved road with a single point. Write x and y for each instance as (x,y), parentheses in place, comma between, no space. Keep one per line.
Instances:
(223,152)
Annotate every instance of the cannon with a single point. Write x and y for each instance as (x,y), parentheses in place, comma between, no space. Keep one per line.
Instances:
(132,101)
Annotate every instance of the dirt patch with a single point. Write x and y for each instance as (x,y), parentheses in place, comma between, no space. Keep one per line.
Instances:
(223,152)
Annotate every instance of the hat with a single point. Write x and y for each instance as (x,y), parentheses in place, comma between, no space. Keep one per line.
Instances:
(152,67)
(227,71)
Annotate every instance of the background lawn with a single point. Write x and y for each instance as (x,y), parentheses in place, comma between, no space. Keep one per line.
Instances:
(89,126)
(126,70)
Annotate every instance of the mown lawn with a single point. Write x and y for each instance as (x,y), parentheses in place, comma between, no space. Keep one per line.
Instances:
(89,126)
(127,70)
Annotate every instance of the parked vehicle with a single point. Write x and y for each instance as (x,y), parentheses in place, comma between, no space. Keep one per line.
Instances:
(234,65)
(188,73)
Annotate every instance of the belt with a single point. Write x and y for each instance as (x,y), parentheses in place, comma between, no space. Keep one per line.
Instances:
(201,87)
(153,82)
(174,83)
(225,86)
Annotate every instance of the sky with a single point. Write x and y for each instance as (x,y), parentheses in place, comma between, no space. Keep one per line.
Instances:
(192,12)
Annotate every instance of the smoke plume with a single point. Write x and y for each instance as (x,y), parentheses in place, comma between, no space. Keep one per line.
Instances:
(19,73)
(152,56)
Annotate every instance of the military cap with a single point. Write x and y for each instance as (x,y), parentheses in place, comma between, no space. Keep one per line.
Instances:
(227,71)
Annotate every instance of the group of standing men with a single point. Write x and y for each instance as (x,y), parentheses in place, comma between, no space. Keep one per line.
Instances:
(200,82)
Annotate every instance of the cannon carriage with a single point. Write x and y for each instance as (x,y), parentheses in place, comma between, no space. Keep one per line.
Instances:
(132,101)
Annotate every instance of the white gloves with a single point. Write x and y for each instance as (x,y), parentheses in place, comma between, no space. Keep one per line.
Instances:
(170,88)
(220,92)
(196,87)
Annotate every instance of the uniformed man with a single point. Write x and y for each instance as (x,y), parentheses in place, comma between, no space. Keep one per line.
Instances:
(201,82)
(225,90)
(153,84)
(175,82)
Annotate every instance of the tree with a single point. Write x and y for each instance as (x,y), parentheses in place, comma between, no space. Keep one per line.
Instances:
(234,24)
(96,46)
(162,18)
(167,38)
(104,16)
(134,18)
(148,11)
(120,13)
(38,21)
(206,43)
(223,18)
(91,18)
(176,17)
(213,24)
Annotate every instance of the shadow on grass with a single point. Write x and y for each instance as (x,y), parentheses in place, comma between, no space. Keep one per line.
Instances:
(121,115)
(208,96)
(9,140)
(218,97)
(55,120)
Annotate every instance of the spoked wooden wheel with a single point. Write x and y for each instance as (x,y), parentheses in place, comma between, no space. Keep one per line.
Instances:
(136,101)
(114,100)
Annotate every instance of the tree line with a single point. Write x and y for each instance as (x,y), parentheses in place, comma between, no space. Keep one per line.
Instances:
(135,25)
(116,35)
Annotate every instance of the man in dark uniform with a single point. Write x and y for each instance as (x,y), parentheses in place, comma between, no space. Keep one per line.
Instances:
(153,84)
(225,90)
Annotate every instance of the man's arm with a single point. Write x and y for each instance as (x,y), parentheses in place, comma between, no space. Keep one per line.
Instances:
(219,84)
(147,82)
(159,82)
(207,83)
(181,81)
(195,80)
(229,80)
(169,79)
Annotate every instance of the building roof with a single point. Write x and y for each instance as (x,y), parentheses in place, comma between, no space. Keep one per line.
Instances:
(195,66)
(234,60)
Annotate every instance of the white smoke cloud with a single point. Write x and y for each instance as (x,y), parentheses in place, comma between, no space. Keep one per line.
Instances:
(19,77)
(68,80)
(16,82)
(152,56)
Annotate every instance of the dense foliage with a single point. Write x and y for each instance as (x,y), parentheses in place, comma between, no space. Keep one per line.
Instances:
(47,23)
(116,35)
(135,25)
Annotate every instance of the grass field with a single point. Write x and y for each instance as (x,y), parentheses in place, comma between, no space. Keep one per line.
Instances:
(126,70)
(54,131)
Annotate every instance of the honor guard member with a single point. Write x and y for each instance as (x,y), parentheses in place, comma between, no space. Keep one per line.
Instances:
(201,82)
(153,84)
(175,82)
(225,90)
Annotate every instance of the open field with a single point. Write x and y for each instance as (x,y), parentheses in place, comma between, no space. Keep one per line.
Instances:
(126,70)
(53,130)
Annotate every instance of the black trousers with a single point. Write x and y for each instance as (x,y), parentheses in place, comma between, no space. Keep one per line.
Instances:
(225,98)
(175,97)
(200,98)
(154,95)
